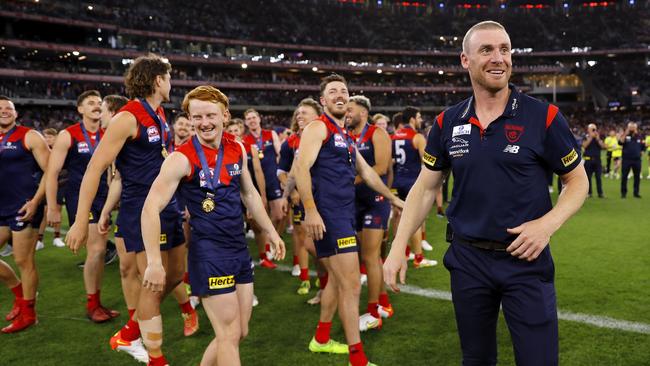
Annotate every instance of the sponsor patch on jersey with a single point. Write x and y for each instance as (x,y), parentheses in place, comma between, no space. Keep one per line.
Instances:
(348,242)
(82,147)
(216,283)
(513,149)
(367,220)
(153,134)
(90,216)
(202,180)
(462,130)
(429,159)
(8,146)
(569,158)
(163,239)
(339,141)
(234,169)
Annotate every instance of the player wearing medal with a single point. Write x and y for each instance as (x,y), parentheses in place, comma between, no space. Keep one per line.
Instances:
(138,139)
(325,174)
(72,151)
(213,177)
(23,158)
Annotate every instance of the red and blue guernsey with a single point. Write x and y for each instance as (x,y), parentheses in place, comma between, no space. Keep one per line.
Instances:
(407,159)
(268,159)
(217,228)
(333,173)
(17,164)
(288,153)
(367,150)
(500,172)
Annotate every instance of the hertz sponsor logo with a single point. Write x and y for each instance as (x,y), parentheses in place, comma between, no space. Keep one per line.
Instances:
(90,216)
(570,157)
(429,159)
(348,242)
(163,239)
(216,283)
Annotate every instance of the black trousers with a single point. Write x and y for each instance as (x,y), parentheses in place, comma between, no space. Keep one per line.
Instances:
(592,167)
(635,166)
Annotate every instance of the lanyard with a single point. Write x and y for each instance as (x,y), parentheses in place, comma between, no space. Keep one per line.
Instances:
(213,183)
(345,137)
(5,138)
(363,134)
(260,141)
(87,138)
(158,121)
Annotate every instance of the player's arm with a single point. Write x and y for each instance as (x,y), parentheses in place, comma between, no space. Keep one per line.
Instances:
(54,166)
(373,181)
(253,203)
(173,169)
(122,127)
(382,146)
(419,142)
(259,173)
(41,152)
(310,145)
(112,198)
(277,145)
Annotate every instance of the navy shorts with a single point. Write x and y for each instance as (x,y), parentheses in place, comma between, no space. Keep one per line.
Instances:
(372,214)
(298,213)
(273,190)
(339,238)
(403,190)
(129,229)
(71,203)
(15,225)
(218,276)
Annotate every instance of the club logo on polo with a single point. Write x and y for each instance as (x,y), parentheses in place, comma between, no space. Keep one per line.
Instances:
(513,132)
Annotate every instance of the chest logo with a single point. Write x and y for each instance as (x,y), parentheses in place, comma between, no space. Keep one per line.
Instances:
(462,130)
(82,147)
(513,149)
(339,141)
(513,132)
(153,134)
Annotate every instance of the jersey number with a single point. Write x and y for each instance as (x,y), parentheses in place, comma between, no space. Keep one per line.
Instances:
(400,153)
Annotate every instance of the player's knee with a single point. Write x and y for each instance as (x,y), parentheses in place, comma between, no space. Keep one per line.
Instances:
(128,270)
(24,261)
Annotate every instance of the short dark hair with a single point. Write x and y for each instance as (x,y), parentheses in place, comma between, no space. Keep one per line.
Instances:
(361,101)
(86,94)
(330,79)
(179,116)
(408,113)
(397,119)
(141,75)
(251,110)
(115,102)
(4,97)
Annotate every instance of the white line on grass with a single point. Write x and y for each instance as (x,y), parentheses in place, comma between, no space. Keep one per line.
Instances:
(595,320)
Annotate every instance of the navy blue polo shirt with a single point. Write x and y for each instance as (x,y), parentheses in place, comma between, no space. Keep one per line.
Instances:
(592,151)
(632,147)
(500,173)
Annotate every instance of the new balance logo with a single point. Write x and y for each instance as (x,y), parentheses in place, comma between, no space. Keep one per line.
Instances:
(513,149)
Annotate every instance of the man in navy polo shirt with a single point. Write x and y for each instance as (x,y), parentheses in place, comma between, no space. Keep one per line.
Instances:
(633,146)
(592,145)
(499,144)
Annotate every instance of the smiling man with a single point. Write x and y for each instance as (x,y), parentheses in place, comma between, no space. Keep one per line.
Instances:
(499,145)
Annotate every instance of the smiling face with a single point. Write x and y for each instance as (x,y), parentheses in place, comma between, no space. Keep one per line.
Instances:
(8,114)
(182,128)
(208,119)
(335,98)
(304,115)
(90,108)
(488,59)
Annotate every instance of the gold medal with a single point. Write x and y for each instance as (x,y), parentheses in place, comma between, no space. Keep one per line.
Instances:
(208,205)
(164,153)
(261,155)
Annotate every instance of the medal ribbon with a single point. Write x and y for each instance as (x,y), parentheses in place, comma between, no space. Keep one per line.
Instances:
(156,118)
(87,138)
(5,138)
(212,182)
(345,136)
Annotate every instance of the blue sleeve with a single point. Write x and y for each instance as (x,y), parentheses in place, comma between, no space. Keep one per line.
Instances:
(435,156)
(561,150)
(286,157)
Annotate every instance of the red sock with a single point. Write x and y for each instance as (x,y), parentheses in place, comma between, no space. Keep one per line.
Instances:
(295,260)
(304,274)
(186,308)
(18,290)
(57,234)
(323,281)
(157,361)
(357,356)
(263,255)
(323,332)
(27,308)
(186,278)
(383,300)
(362,269)
(419,257)
(408,251)
(372,309)
(267,247)
(131,330)
(92,301)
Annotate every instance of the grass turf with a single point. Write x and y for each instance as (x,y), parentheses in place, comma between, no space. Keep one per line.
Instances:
(601,269)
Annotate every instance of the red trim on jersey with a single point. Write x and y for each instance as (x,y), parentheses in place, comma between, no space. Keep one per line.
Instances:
(405,133)
(232,154)
(439,119)
(293,141)
(142,117)
(77,135)
(477,123)
(550,114)
(19,134)
(249,139)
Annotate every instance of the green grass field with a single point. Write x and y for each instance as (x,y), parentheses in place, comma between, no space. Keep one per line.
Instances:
(602,269)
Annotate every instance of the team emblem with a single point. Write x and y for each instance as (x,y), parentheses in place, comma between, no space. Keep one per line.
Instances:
(513,132)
